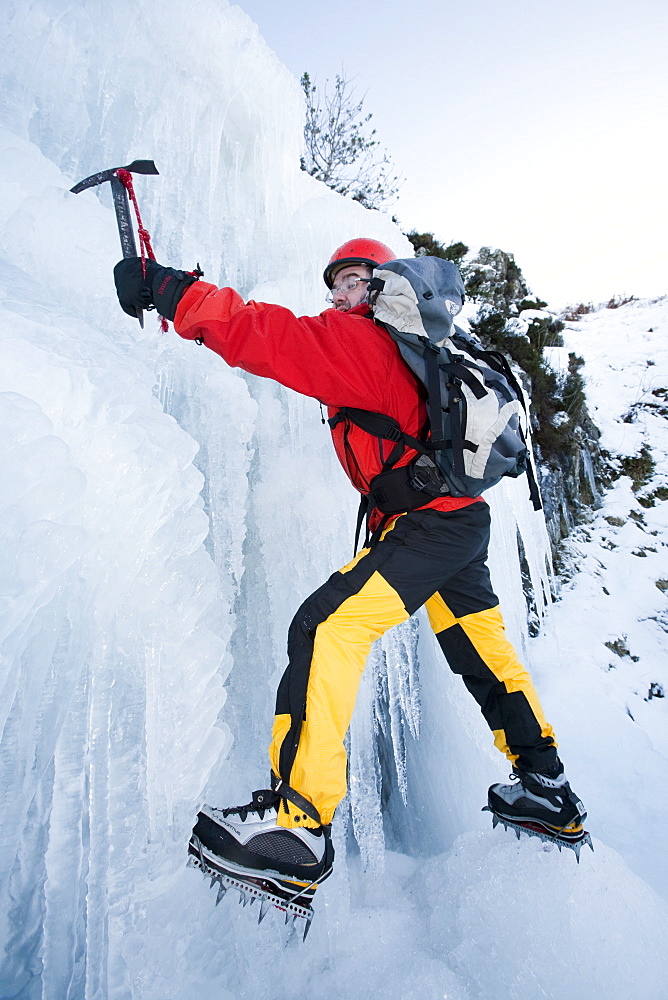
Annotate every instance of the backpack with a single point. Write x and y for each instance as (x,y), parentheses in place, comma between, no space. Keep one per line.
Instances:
(478,421)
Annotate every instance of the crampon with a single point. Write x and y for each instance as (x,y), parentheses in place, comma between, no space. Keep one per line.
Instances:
(289,896)
(575,837)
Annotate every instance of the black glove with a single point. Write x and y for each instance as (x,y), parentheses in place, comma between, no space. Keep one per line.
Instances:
(162,287)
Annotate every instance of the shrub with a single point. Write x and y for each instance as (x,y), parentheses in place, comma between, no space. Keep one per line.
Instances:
(426,244)
(546,333)
(574,395)
(640,468)
(340,148)
(572,313)
(619,300)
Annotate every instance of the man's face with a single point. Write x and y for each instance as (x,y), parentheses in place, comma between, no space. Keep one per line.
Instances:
(343,298)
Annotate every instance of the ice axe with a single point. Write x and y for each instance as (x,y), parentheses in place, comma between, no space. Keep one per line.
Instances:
(121,183)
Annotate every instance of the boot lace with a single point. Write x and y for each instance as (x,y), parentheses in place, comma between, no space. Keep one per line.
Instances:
(263,801)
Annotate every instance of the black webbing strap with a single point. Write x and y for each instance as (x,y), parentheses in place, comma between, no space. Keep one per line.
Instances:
(534,492)
(498,361)
(461,372)
(362,511)
(434,403)
(454,403)
(375,286)
(286,792)
(502,389)
(378,425)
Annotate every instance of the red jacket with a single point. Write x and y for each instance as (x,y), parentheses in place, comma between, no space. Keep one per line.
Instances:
(338,358)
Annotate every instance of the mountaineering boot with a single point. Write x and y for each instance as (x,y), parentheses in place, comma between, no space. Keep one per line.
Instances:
(540,804)
(544,799)
(244,848)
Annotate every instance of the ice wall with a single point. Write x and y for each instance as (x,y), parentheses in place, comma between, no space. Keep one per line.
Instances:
(163,516)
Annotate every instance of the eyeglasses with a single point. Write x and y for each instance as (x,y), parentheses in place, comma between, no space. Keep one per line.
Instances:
(347,286)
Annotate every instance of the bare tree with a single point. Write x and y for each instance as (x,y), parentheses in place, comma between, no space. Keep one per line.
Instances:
(339,148)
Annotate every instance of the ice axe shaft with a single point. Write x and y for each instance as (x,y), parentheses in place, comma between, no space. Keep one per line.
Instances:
(122,209)
(121,204)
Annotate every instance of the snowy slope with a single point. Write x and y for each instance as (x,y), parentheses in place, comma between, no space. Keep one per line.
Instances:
(161,518)
(610,627)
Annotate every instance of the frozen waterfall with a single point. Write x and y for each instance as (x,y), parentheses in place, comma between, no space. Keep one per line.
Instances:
(162,517)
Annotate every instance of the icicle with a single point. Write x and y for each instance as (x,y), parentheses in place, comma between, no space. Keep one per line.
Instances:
(588,466)
(365,770)
(401,658)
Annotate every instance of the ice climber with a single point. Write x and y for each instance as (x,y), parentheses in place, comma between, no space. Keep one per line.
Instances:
(433,554)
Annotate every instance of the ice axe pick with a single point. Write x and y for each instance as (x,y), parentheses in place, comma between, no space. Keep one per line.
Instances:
(121,203)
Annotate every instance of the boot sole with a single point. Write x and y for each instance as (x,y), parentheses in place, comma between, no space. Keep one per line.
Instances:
(295,893)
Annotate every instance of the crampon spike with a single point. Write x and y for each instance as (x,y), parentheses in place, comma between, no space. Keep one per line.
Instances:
(307,928)
(270,892)
(578,847)
(535,829)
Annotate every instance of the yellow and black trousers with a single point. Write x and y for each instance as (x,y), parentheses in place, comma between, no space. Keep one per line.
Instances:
(427,557)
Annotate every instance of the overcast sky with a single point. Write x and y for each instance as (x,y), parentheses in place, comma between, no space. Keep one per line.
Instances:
(538,127)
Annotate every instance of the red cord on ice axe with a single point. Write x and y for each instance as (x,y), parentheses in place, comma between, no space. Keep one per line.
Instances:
(146,250)
(119,190)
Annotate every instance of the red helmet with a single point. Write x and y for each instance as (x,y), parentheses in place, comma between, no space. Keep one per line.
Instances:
(358,251)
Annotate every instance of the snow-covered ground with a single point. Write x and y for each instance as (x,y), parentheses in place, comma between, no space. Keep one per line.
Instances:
(610,626)
(161,517)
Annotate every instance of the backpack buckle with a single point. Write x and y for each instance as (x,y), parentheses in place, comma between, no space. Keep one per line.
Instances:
(419,480)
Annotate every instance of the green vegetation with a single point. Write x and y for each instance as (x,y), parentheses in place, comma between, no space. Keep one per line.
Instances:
(574,396)
(425,244)
(619,647)
(640,468)
(650,499)
(531,304)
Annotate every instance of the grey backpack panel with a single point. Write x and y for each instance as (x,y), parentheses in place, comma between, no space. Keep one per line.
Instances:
(420,297)
(477,410)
